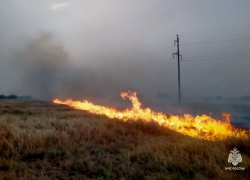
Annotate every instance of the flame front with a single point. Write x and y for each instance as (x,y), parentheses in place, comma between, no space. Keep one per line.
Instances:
(202,127)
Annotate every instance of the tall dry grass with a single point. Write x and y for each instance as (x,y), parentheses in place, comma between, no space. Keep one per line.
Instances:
(40,140)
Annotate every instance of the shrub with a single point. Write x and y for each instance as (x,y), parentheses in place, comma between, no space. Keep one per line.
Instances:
(2,96)
(12,96)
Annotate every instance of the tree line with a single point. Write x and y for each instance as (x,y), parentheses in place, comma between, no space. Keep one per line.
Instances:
(13,96)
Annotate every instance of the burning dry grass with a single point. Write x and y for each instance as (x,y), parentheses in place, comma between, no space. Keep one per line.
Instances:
(47,141)
(201,127)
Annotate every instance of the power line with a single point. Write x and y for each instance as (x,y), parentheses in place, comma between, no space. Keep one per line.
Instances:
(215,56)
(184,35)
(216,59)
(216,41)
(148,63)
(208,32)
(199,33)
(227,52)
(125,53)
(192,34)
(217,31)
(178,58)
(150,67)
(115,63)
(162,62)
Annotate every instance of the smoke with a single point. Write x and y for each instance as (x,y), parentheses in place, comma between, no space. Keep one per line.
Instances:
(42,68)
(101,49)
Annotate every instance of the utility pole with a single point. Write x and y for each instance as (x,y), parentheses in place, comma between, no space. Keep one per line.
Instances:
(176,43)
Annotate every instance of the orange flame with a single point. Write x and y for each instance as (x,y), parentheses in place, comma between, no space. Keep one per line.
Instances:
(202,127)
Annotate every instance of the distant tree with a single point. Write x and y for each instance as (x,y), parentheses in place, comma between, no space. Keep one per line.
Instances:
(2,96)
(12,96)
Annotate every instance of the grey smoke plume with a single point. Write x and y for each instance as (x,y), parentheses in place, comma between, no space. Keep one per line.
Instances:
(94,49)
(42,68)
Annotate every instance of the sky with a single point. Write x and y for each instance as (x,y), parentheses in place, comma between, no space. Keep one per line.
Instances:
(85,49)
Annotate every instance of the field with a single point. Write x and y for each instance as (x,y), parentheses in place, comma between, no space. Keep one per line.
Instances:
(41,140)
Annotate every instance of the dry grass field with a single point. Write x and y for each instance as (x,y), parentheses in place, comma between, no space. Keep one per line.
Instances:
(40,140)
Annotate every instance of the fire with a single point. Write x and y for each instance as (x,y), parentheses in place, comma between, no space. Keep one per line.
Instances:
(202,127)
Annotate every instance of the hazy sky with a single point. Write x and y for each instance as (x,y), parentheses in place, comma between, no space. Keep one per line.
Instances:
(83,48)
